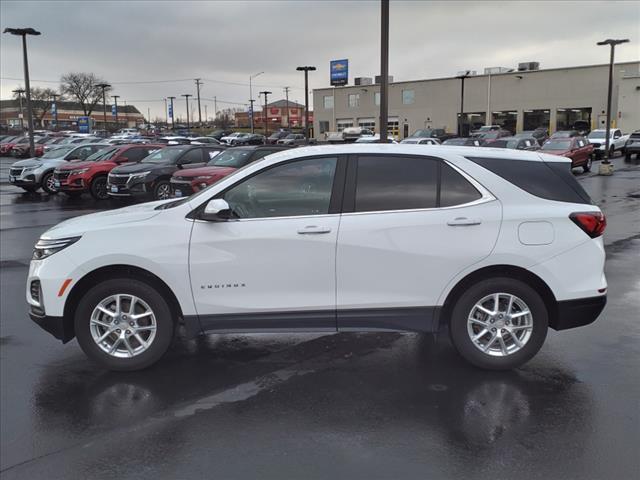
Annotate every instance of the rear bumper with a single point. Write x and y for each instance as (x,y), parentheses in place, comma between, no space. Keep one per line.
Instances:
(576,313)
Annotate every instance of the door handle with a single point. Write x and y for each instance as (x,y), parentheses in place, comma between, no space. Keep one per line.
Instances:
(313,230)
(463,222)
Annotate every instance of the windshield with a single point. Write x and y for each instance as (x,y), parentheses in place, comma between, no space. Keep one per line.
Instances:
(597,134)
(58,152)
(422,133)
(105,154)
(8,140)
(557,145)
(166,155)
(512,143)
(230,158)
(490,135)
(455,141)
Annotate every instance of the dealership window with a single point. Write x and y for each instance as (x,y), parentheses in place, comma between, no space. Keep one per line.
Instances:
(368,123)
(354,100)
(327,102)
(345,123)
(573,118)
(408,97)
(324,126)
(393,125)
(506,119)
(533,119)
(376,98)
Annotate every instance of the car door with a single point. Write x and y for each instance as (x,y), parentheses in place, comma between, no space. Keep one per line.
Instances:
(273,265)
(402,238)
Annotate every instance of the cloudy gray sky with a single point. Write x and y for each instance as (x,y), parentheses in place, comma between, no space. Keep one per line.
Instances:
(163,45)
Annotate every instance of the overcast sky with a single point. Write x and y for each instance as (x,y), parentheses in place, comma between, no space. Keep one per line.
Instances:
(165,44)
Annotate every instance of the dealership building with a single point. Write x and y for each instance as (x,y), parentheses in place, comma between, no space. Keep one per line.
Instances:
(518,99)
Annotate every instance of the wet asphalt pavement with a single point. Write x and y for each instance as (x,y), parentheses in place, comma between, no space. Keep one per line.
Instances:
(348,405)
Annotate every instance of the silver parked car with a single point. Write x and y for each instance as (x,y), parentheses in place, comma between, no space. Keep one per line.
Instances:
(33,173)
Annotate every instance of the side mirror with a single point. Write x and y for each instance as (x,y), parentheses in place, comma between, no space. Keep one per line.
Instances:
(217,210)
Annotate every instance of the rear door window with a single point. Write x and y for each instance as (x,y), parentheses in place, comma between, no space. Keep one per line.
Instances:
(193,156)
(455,189)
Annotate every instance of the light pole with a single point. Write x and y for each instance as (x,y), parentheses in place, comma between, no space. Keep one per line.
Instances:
(251,77)
(265,115)
(115,103)
(173,115)
(461,120)
(198,83)
(186,98)
(306,70)
(104,87)
(23,32)
(19,92)
(384,72)
(54,108)
(605,166)
(286,96)
(166,115)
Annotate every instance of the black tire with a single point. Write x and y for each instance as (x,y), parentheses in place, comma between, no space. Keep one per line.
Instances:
(612,151)
(463,306)
(165,325)
(47,183)
(587,166)
(627,157)
(73,194)
(98,188)
(162,187)
(30,189)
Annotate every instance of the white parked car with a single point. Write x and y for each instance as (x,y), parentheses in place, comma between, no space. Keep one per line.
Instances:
(494,245)
(598,139)
(421,141)
(374,139)
(234,138)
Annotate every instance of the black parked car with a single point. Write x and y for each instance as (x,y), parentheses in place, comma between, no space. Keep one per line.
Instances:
(515,143)
(540,134)
(275,136)
(464,142)
(438,133)
(251,139)
(218,134)
(151,176)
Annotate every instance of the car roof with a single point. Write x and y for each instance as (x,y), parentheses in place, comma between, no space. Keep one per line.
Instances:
(259,147)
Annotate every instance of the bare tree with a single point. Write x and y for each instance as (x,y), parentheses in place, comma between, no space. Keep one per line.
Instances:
(83,88)
(41,100)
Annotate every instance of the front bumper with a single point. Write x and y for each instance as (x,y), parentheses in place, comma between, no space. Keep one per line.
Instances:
(25,178)
(182,188)
(576,313)
(59,327)
(139,189)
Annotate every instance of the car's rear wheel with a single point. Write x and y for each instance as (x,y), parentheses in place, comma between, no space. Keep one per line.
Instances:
(587,166)
(99,188)
(124,324)
(499,324)
(48,183)
(612,151)
(162,190)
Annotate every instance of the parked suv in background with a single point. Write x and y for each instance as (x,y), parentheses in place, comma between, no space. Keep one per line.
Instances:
(437,133)
(576,148)
(33,173)
(464,142)
(186,182)
(295,139)
(150,177)
(632,145)
(22,150)
(598,139)
(91,175)
(515,143)
(540,134)
(275,136)
(335,238)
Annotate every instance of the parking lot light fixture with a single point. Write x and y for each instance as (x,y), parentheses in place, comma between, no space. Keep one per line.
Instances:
(251,77)
(23,32)
(265,115)
(605,166)
(20,92)
(173,114)
(115,104)
(306,70)
(461,119)
(186,98)
(104,87)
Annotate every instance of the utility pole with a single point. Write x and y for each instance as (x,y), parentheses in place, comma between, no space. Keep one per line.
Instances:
(605,167)
(215,108)
(198,83)
(251,77)
(115,103)
(19,92)
(23,32)
(166,115)
(306,71)
(251,100)
(206,114)
(54,108)
(286,96)
(104,87)
(461,119)
(186,98)
(173,114)
(265,113)
(384,71)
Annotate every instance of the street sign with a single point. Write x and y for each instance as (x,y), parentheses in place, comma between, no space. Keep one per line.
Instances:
(114,110)
(339,72)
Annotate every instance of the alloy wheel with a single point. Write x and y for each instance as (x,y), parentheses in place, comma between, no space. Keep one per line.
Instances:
(123,325)
(163,192)
(500,324)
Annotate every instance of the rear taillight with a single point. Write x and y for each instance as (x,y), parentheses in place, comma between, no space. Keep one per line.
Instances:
(591,223)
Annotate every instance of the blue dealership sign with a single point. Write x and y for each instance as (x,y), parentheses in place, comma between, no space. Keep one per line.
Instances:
(114,110)
(339,72)
(170,111)
(54,109)
(84,125)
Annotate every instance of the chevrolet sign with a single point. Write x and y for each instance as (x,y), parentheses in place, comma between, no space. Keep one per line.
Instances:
(339,72)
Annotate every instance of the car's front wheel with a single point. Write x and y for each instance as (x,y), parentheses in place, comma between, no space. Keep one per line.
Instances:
(162,190)
(587,166)
(99,188)
(49,184)
(499,324)
(124,324)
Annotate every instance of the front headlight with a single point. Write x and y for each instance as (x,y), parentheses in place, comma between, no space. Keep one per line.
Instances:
(45,247)
(32,168)
(204,177)
(138,176)
(79,171)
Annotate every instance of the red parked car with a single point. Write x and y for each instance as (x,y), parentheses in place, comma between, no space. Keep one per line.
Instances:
(76,178)
(578,149)
(21,150)
(188,181)
(6,147)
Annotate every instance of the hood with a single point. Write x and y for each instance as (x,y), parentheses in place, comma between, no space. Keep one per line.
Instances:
(196,172)
(76,165)
(29,162)
(556,152)
(100,220)
(138,167)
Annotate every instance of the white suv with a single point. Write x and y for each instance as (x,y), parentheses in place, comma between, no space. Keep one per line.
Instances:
(494,245)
